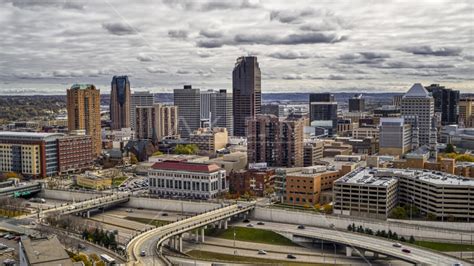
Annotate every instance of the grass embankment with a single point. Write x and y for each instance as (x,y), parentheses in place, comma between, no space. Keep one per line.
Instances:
(445,247)
(251,235)
(153,222)
(211,256)
(118,181)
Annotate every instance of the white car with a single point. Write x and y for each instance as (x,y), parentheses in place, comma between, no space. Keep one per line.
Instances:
(397,245)
(262,252)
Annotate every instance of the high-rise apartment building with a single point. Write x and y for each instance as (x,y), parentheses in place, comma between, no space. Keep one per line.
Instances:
(323,109)
(417,108)
(446,102)
(247,92)
(277,143)
(142,98)
(221,109)
(83,112)
(395,137)
(120,103)
(466,110)
(188,101)
(156,122)
(357,103)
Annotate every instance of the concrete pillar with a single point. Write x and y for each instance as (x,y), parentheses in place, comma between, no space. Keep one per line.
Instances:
(348,251)
(376,255)
(170,242)
(202,235)
(196,233)
(88,214)
(180,243)
(225,224)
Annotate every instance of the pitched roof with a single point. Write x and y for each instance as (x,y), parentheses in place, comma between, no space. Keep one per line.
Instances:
(417,91)
(186,166)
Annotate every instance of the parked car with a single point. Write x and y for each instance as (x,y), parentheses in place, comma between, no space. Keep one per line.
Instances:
(406,250)
(81,246)
(262,252)
(397,245)
(291,256)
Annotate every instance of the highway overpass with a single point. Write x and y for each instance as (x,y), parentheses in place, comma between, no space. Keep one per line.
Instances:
(83,207)
(151,242)
(20,190)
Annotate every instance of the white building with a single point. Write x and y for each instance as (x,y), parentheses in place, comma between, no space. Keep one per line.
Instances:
(417,108)
(395,136)
(185,179)
(374,192)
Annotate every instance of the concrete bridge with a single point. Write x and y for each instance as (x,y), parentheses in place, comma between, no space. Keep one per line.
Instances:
(19,191)
(142,249)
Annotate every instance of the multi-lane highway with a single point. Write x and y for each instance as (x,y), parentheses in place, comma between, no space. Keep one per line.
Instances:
(359,241)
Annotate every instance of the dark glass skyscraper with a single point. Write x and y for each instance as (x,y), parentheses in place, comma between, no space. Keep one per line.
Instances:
(323,110)
(446,102)
(247,92)
(120,102)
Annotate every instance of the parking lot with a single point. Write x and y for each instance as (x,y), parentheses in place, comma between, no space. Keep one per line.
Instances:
(9,247)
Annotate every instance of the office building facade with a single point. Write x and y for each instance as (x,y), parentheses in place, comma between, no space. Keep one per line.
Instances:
(278,143)
(357,103)
(246,92)
(188,101)
(417,108)
(142,98)
(210,140)
(466,111)
(120,103)
(395,137)
(446,102)
(83,112)
(323,108)
(156,122)
(185,179)
(221,109)
(74,154)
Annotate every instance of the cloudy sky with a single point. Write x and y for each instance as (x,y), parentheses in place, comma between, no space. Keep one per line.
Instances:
(302,45)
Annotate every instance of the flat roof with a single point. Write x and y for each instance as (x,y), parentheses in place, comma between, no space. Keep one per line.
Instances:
(45,251)
(186,166)
(31,135)
(376,176)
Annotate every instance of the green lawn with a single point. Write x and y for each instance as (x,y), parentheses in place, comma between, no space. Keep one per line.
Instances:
(118,181)
(205,255)
(153,222)
(445,247)
(251,235)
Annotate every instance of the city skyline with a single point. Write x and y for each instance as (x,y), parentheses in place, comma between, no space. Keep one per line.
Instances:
(309,46)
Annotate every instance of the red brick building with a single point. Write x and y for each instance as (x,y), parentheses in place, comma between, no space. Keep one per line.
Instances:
(74,153)
(252,181)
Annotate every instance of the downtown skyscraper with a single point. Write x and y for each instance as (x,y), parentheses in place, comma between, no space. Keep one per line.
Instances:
(120,102)
(247,92)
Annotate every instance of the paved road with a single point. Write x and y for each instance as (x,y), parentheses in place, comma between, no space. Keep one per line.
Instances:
(147,242)
(382,246)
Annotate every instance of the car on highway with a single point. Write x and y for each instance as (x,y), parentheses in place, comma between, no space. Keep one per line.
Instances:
(457,264)
(406,250)
(246,221)
(301,226)
(3,246)
(81,246)
(164,214)
(143,253)
(260,223)
(250,225)
(291,256)
(397,245)
(129,210)
(262,252)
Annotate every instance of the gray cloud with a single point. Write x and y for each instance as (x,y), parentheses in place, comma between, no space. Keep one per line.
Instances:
(155,70)
(289,55)
(211,33)
(144,57)
(291,17)
(183,72)
(178,34)
(416,65)
(32,4)
(118,28)
(364,58)
(428,50)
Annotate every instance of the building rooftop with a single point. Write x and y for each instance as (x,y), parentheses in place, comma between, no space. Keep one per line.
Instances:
(82,87)
(417,91)
(45,251)
(384,177)
(186,167)
(29,135)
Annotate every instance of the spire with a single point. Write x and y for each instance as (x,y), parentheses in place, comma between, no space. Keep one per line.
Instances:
(417,91)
